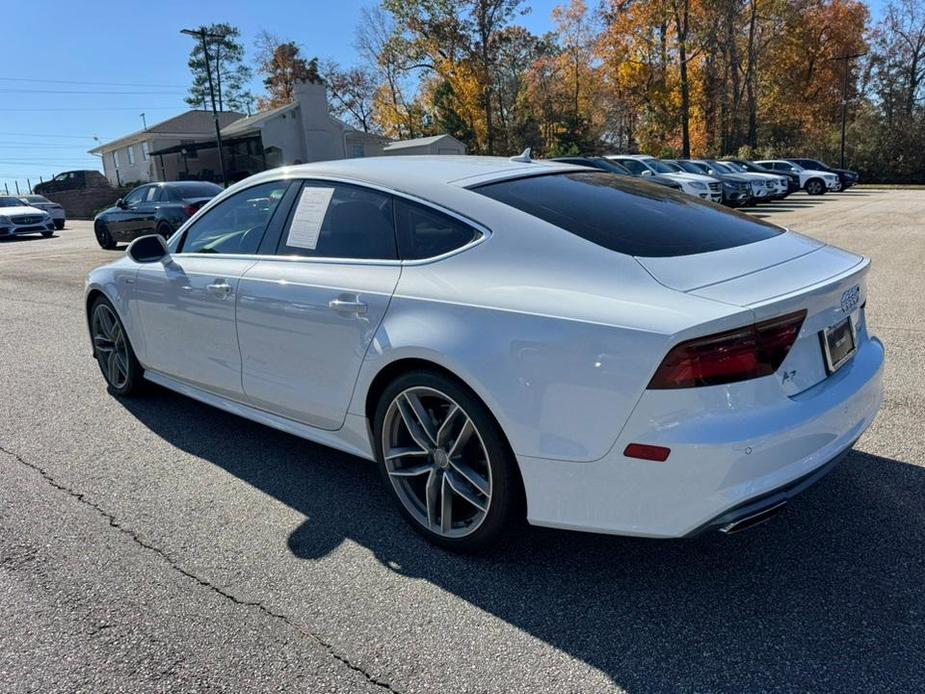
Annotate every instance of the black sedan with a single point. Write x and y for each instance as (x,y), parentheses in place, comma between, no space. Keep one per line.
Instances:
(613,167)
(154,208)
(848,178)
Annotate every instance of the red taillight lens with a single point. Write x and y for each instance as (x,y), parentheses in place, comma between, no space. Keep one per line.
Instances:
(190,210)
(645,452)
(735,355)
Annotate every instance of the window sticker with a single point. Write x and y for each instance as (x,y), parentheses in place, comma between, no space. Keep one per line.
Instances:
(306,224)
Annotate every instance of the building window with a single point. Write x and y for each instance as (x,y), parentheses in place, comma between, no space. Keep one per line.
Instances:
(115,158)
(145,150)
(131,155)
(357,150)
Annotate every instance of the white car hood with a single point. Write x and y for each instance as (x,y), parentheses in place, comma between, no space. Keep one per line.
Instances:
(821,174)
(691,177)
(21,209)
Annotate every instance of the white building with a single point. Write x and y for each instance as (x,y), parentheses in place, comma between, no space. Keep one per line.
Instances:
(296,133)
(129,159)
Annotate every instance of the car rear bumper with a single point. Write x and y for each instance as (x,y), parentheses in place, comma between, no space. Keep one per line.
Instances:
(722,459)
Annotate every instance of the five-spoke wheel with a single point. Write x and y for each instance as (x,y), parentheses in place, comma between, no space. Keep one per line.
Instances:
(445,460)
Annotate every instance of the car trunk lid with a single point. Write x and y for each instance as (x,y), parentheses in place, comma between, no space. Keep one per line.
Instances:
(781,275)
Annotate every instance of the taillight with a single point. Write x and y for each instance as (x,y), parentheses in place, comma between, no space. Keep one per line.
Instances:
(190,210)
(735,355)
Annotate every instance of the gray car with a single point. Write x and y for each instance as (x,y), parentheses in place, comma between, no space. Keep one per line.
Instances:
(40,202)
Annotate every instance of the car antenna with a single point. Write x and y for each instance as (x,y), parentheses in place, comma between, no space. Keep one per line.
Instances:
(523,157)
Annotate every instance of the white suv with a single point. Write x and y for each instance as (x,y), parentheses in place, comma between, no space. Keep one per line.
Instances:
(698,185)
(812,181)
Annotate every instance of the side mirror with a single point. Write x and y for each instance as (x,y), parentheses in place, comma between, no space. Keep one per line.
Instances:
(120,203)
(148,249)
(646,172)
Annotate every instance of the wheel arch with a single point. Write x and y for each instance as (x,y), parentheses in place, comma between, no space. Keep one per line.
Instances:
(402,365)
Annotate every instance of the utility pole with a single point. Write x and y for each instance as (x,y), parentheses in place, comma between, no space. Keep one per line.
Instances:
(844,101)
(202,35)
(143,121)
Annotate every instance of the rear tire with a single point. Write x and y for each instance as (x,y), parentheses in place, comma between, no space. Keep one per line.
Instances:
(103,237)
(165,230)
(48,234)
(59,224)
(113,350)
(460,486)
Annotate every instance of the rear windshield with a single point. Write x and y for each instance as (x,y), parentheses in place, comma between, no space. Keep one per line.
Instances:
(196,189)
(624,215)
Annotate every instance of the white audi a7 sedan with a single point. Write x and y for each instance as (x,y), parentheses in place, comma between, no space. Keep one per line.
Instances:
(509,336)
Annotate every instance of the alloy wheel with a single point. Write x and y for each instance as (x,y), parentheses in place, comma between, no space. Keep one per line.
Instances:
(110,346)
(437,462)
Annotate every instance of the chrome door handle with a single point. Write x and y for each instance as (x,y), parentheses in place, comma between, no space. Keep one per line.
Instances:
(348,304)
(219,288)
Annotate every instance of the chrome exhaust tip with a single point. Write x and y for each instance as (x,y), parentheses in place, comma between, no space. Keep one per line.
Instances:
(750,521)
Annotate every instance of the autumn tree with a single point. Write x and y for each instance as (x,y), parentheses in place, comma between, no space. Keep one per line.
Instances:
(282,66)
(351,93)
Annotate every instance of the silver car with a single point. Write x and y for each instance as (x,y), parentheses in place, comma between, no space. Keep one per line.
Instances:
(40,202)
(17,219)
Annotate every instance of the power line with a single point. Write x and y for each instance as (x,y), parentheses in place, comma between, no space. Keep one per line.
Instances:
(83,91)
(102,84)
(75,137)
(110,108)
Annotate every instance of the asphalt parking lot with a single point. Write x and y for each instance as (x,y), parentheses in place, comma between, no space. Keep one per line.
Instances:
(157,544)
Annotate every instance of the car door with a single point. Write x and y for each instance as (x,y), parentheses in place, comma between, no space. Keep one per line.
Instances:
(145,217)
(308,312)
(123,220)
(186,305)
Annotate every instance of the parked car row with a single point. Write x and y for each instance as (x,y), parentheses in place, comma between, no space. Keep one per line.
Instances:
(732,182)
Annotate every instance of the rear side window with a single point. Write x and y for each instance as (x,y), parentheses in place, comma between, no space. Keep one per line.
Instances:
(620,214)
(355,223)
(425,233)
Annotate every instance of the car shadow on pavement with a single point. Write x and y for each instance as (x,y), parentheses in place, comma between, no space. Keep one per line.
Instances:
(828,596)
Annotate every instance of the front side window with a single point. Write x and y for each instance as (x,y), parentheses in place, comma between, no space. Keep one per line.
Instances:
(237,224)
(152,194)
(340,221)
(136,196)
(623,215)
(425,233)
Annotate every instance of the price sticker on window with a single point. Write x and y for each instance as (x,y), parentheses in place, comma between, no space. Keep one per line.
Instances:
(309,215)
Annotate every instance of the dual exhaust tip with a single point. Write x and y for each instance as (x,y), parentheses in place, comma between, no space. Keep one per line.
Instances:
(753,519)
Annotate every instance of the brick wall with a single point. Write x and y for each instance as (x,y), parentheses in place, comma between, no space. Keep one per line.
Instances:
(84,204)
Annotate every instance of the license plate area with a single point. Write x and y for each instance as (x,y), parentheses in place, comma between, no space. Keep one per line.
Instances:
(838,344)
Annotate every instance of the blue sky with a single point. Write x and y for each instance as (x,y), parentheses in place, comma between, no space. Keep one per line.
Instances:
(56,53)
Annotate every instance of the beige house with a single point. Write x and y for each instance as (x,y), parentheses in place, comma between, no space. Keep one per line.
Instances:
(303,131)
(129,159)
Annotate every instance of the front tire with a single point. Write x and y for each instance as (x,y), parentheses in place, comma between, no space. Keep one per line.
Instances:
(113,351)
(48,234)
(103,237)
(446,461)
(815,186)
(59,224)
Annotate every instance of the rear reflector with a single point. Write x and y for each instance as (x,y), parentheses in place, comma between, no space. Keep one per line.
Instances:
(645,452)
(735,355)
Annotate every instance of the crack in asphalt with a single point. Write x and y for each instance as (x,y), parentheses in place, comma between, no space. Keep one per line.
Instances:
(114,523)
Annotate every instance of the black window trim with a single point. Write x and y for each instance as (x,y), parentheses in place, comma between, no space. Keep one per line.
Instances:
(484,233)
